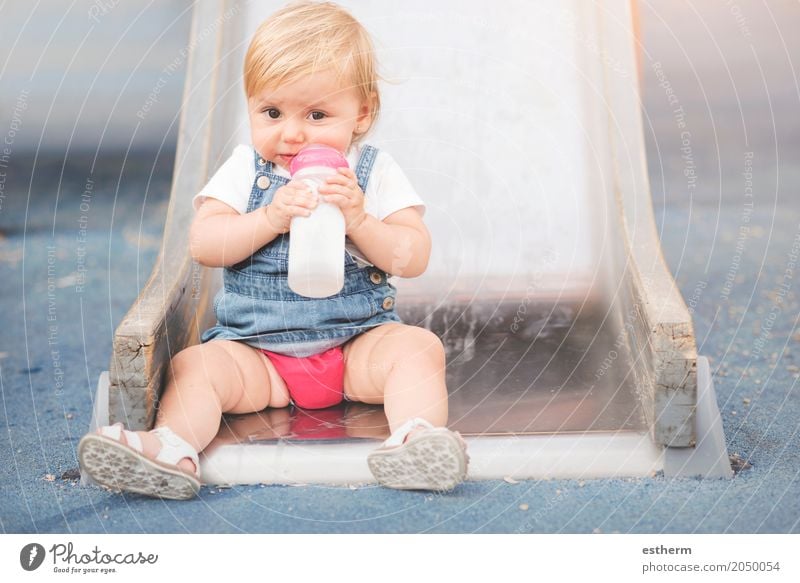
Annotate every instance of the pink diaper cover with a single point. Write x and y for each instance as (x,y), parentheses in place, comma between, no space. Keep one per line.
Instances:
(314,382)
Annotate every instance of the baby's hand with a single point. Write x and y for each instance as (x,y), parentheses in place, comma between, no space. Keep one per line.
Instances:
(295,199)
(343,191)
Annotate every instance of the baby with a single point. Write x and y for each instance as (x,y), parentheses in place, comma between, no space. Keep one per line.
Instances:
(310,78)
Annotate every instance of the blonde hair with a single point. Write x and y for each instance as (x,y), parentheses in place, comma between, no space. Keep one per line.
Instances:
(305,37)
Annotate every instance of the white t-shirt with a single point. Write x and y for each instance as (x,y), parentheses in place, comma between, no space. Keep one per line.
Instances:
(388,189)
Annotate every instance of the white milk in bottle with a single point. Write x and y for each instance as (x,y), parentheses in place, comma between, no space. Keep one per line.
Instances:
(316,242)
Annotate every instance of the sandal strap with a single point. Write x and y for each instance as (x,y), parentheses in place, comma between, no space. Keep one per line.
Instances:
(115,432)
(134,440)
(174,448)
(399,436)
(112,431)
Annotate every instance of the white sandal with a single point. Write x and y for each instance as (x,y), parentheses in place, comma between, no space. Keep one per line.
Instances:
(433,459)
(124,467)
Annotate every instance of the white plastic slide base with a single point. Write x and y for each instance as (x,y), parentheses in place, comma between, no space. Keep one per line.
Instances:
(99,414)
(577,456)
(600,455)
(709,458)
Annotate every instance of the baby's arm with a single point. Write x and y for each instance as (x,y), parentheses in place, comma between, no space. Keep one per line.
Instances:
(221,236)
(399,245)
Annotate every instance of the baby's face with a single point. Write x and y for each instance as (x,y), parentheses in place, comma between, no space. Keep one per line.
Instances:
(314,109)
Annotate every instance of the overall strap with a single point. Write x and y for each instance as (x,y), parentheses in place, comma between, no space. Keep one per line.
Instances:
(364,166)
(264,166)
(261,164)
(266,181)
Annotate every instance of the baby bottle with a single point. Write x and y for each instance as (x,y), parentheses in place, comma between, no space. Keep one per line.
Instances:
(316,242)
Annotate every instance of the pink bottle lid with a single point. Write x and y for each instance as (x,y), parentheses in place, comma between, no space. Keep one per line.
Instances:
(317,155)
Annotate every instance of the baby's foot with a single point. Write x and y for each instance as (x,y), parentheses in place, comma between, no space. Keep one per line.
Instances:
(151,447)
(419,456)
(156,463)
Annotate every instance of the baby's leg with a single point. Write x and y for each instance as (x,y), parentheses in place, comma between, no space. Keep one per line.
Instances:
(402,367)
(206,380)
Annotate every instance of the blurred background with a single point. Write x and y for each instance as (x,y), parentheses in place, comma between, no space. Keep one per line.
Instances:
(87,68)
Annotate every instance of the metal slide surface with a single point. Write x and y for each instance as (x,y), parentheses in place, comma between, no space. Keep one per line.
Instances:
(521,130)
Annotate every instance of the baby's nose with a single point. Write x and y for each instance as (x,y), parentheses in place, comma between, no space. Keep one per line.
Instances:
(293,130)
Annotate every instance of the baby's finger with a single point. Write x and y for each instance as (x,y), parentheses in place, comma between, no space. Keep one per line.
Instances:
(336,199)
(298,211)
(297,185)
(304,195)
(293,195)
(284,193)
(306,199)
(342,189)
(340,179)
(298,188)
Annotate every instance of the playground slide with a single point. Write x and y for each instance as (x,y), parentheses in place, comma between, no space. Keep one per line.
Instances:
(571,352)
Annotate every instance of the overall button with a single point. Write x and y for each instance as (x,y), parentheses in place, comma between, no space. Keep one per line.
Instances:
(388,303)
(261,161)
(376,278)
(262,182)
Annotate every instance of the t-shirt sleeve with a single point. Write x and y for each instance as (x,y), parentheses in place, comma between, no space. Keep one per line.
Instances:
(233,182)
(389,189)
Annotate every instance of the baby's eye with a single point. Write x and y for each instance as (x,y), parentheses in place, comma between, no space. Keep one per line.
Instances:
(272,113)
(317,115)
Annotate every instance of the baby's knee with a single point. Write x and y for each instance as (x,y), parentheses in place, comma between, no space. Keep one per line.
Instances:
(203,368)
(204,363)
(420,342)
(189,360)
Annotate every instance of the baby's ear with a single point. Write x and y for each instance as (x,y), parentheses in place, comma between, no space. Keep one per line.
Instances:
(366,114)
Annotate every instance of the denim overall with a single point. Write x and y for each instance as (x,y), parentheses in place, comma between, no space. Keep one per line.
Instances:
(256,306)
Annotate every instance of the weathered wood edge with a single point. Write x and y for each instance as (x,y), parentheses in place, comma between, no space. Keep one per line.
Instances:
(172,306)
(662,338)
